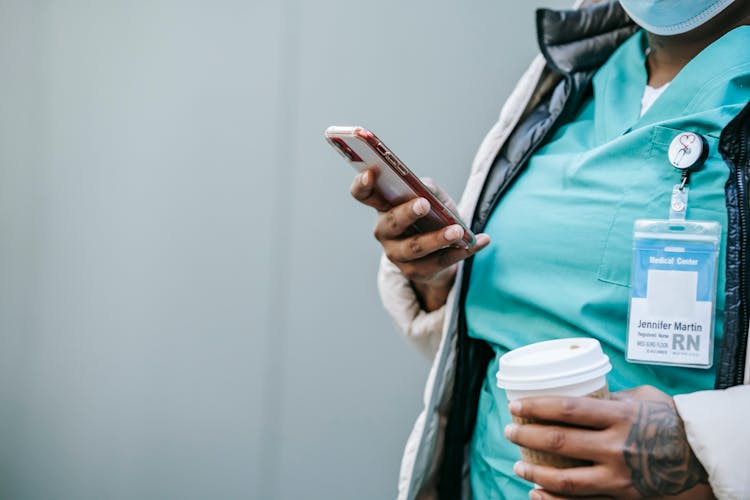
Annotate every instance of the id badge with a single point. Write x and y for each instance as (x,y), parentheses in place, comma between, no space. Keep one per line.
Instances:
(673,292)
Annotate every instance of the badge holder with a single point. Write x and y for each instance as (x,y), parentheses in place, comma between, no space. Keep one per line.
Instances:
(674,274)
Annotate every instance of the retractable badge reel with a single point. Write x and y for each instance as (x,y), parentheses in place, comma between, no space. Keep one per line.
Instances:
(674,272)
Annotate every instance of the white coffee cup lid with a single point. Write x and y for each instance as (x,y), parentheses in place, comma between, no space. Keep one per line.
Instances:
(553,363)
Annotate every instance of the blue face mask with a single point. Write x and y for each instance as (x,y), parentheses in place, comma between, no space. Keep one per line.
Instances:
(672,17)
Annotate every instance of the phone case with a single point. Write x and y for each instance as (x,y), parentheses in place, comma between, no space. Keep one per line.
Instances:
(362,149)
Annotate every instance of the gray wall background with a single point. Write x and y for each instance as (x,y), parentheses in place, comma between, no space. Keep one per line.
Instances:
(187,292)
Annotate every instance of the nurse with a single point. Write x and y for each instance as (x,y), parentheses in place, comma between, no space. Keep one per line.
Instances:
(561,260)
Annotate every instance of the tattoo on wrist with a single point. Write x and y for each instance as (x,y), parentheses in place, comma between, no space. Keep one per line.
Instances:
(658,454)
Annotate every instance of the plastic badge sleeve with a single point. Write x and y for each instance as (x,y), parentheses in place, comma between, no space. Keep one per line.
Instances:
(673,292)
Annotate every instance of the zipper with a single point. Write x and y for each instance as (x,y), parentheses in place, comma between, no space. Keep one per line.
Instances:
(741,197)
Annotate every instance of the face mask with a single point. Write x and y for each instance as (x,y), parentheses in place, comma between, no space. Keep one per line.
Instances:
(672,17)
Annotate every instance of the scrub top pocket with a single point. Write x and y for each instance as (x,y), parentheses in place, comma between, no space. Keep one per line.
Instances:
(648,196)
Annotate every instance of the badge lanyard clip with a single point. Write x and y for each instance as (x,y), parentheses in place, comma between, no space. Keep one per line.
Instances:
(678,204)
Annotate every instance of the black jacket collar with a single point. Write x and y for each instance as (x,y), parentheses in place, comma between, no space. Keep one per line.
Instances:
(582,39)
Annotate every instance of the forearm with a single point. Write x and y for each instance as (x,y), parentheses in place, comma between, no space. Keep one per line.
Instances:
(432,297)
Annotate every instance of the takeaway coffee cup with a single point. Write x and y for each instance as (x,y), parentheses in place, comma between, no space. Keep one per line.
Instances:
(563,367)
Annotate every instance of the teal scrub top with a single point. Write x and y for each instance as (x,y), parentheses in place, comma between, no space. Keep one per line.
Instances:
(559,262)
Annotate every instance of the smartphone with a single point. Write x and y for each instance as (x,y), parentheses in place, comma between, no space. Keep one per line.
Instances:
(362,149)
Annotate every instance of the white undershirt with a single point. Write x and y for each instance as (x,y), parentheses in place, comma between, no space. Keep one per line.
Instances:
(651,94)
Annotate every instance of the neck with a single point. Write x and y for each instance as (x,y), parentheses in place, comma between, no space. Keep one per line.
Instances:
(669,54)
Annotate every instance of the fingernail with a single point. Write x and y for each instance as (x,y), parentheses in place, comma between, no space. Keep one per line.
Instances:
(420,207)
(519,469)
(482,239)
(534,495)
(514,407)
(364,178)
(453,233)
(510,430)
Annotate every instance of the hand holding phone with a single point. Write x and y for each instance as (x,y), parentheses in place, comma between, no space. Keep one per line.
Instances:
(395,183)
(406,205)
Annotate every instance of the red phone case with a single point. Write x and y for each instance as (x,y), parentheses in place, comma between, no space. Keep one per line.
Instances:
(362,149)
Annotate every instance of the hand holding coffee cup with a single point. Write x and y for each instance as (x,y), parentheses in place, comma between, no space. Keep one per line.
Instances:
(566,367)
